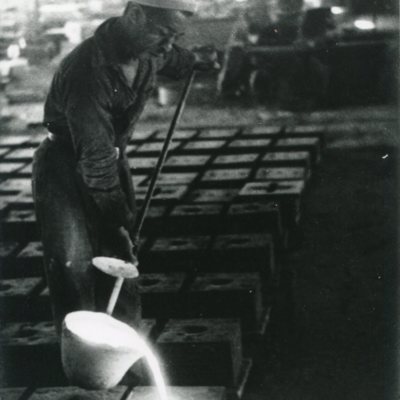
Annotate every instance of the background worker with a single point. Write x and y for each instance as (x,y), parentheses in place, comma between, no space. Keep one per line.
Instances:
(83,192)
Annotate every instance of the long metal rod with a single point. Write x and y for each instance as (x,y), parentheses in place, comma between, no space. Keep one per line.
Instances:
(149,194)
(163,156)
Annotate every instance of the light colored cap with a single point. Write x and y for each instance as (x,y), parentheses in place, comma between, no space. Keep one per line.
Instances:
(180,5)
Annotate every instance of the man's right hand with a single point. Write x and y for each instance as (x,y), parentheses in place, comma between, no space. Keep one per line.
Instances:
(125,246)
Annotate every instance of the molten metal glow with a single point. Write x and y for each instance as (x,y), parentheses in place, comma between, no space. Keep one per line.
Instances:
(99,328)
(102,332)
(155,369)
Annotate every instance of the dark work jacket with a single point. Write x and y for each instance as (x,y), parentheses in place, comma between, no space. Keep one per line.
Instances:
(90,106)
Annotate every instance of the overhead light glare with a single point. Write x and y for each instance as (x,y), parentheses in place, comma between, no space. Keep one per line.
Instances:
(364,24)
(312,3)
(337,10)
(22,43)
(13,51)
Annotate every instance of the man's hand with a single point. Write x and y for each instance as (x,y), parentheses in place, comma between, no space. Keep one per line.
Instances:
(206,59)
(125,246)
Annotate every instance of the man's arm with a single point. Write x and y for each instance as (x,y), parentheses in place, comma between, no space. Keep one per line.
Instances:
(177,63)
(88,112)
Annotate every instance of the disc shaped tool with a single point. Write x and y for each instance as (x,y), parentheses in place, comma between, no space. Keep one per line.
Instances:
(116,267)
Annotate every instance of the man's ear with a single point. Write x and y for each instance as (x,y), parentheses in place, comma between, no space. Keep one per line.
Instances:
(133,14)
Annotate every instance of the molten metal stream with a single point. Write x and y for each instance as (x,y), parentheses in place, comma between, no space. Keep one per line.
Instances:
(115,337)
(156,371)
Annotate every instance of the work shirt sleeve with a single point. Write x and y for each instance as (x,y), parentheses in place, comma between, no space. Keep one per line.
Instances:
(177,63)
(88,112)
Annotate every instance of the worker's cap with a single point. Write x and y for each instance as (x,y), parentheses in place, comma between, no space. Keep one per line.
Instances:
(189,6)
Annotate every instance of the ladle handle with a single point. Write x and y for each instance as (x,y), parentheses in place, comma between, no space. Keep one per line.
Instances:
(114,295)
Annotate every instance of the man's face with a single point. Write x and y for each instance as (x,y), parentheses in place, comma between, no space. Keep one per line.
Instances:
(161,30)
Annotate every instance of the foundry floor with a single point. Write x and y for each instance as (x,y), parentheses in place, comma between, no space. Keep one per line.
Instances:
(332,345)
(327,338)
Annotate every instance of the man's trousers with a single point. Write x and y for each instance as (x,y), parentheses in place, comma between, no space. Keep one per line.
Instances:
(73,233)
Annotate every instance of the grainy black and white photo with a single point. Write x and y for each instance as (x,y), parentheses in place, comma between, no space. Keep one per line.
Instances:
(198,200)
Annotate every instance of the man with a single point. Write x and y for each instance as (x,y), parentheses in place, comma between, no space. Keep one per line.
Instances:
(83,191)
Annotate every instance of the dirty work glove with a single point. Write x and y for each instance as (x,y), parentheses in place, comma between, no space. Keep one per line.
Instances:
(206,59)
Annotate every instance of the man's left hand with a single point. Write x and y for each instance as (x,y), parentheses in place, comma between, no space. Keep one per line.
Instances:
(206,59)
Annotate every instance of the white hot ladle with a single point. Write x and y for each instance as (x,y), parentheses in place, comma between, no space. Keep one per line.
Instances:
(97,349)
